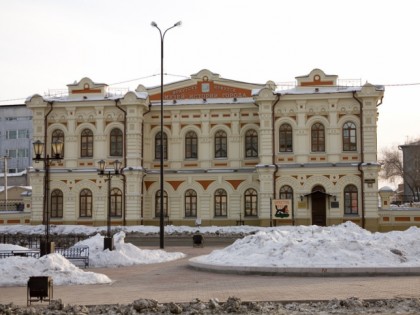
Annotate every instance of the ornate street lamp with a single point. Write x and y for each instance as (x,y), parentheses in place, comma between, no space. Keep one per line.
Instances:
(161,217)
(46,246)
(108,241)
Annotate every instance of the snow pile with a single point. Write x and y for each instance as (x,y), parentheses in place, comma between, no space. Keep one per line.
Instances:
(346,245)
(125,254)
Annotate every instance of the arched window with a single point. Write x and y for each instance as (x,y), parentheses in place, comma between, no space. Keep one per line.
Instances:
(86,143)
(251,202)
(58,135)
(157,146)
(351,200)
(191,145)
(190,203)
(85,203)
(286,192)
(116,142)
(56,203)
(157,204)
(285,138)
(251,144)
(116,203)
(220,203)
(220,144)
(349,137)
(318,137)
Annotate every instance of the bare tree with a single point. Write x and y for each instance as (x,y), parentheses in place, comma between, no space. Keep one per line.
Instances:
(392,164)
(403,163)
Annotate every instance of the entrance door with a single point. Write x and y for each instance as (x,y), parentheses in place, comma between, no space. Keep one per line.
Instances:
(319,209)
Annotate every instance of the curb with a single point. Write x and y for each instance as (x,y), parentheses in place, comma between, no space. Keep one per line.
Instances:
(307,271)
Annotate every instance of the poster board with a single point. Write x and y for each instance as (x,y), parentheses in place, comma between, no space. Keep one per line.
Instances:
(281,209)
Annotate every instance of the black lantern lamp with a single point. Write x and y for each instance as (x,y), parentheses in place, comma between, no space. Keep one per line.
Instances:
(46,246)
(108,241)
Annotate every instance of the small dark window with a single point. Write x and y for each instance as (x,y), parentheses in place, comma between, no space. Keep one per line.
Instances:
(285,138)
(251,144)
(86,143)
(318,137)
(158,141)
(191,145)
(220,144)
(116,142)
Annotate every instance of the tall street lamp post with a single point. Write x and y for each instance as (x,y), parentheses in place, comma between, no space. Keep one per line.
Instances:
(46,246)
(108,242)
(161,217)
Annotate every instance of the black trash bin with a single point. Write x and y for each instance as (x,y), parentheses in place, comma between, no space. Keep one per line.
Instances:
(39,289)
(198,240)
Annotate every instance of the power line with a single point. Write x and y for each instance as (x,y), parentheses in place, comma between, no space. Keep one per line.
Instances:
(186,77)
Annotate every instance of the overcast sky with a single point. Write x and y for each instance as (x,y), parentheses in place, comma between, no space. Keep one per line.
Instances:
(47,44)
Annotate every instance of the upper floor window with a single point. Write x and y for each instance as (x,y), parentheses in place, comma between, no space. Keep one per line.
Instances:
(116,202)
(251,144)
(190,203)
(251,202)
(58,135)
(318,137)
(116,142)
(85,203)
(220,144)
(17,153)
(220,203)
(158,141)
(86,143)
(191,145)
(285,138)
(56,204)
(17,134)
(351,200)
(349,137)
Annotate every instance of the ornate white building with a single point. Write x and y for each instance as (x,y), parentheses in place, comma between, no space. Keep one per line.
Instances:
(230,148)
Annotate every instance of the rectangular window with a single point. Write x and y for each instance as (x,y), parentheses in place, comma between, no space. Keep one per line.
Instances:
(22,153)
(23,133)
(11,134)
(11,153)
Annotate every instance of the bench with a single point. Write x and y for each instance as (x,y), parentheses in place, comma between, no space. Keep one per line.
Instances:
(75,253)
(19,252)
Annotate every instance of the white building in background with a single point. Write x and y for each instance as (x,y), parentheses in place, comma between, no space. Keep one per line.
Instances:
(230,148)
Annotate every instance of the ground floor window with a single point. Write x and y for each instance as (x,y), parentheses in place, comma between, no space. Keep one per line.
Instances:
(351,200)
(251,202)
(220,203)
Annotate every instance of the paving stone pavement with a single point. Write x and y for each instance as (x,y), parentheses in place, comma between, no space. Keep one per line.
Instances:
(176,281)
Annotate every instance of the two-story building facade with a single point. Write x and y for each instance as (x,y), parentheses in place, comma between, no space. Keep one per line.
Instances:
(230,148)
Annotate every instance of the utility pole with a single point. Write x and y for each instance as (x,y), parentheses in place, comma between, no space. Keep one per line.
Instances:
(5,158)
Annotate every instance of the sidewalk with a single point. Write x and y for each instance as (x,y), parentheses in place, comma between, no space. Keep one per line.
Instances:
(176,281)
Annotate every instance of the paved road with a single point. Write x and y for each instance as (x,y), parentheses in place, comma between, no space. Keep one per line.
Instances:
(170,241)
(176,281)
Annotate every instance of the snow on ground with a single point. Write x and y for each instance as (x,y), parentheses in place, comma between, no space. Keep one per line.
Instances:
(15,271)
(345,245)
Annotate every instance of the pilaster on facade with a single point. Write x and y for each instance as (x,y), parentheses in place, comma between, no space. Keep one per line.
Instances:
(265,100)
(266,189)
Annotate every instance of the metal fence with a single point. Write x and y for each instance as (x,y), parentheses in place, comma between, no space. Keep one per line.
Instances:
(33,241)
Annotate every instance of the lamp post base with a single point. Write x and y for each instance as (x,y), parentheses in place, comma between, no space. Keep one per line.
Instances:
(46,247)
(108,243)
